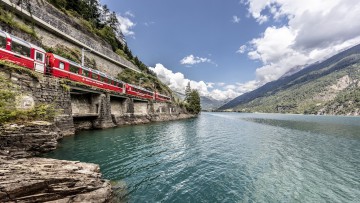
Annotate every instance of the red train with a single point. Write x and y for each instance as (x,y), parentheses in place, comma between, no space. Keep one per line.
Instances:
(25,54)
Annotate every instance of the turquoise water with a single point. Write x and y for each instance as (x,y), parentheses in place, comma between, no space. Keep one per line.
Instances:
(228,157)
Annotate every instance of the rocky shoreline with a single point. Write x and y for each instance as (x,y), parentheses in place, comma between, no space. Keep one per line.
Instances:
(25,178)
(41,180)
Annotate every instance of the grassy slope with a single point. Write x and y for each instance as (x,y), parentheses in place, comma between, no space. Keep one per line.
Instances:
(314,96)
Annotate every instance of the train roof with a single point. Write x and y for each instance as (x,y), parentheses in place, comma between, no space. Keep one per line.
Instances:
(25,43)
(88,69)
(102,74)
(4,34)
(67,60)
(141,88)
(163,95)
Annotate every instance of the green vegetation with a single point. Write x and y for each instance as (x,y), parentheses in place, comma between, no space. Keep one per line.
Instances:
(101,22)
(65,87)
(145,80)
(87,11)
(312,97)
(13,67)
(104,23)
(9,112)
(7,17)
(192,99)
(66,52)
(71,54)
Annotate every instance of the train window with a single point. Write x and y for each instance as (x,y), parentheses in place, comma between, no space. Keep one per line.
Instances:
(94,76)
(74,69)
(20,49)
(102,79)
(85,73)
(39,56)
(62,66)
(2,41)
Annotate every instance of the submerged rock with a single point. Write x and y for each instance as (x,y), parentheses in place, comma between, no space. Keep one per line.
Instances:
(40,180)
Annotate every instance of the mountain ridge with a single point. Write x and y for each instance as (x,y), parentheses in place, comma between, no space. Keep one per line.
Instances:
(339,62)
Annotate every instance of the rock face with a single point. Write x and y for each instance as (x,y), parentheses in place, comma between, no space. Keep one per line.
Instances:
(40,180)
(20,141)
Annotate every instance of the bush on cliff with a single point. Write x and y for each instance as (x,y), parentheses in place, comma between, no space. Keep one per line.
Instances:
(8,109)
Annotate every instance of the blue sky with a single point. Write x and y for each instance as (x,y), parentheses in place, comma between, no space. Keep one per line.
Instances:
(199,40)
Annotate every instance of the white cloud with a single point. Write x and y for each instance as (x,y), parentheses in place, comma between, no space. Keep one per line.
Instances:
(125,25)
(235,19)
(147,24)
(130,14)
(313,30)
(178,82)
(210,84)
(191,60)
(242,49)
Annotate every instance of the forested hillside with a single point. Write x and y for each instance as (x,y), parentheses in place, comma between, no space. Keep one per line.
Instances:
(328,87)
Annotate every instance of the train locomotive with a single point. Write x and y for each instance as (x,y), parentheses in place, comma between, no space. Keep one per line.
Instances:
(25,54)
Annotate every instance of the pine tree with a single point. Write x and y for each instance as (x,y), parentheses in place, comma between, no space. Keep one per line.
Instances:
(194,105)
(187,92)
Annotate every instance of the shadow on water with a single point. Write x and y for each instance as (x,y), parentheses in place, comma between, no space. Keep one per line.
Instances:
(313,127)
(120,193)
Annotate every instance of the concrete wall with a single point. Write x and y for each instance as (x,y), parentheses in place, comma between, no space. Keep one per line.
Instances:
(86,103)
(140,107)
(81,104)
(161,108)
(118,106)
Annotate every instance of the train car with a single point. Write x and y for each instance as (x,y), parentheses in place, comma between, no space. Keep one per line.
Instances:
(65,68)
(22,53)
(139,92)
(162,98)
(25,54)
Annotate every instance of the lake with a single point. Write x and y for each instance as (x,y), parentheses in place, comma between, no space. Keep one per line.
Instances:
(227,157)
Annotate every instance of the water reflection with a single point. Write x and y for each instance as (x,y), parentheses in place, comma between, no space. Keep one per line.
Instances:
(313,127)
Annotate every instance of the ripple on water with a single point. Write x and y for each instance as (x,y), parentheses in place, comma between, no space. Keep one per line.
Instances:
(228,157)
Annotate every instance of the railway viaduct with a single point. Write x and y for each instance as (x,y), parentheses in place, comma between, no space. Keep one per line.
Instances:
(79,106)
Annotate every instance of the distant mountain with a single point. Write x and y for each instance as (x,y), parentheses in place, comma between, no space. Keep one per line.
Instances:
(209,104)
(331,86)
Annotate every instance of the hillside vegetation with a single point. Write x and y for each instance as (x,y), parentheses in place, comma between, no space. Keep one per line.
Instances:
(100,21)
(329,87)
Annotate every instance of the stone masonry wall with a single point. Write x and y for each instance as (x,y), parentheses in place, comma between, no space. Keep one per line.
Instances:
(47,90)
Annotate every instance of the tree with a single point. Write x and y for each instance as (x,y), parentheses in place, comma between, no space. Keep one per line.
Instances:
(187,92)
(194,106)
